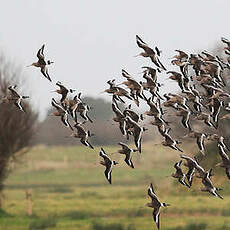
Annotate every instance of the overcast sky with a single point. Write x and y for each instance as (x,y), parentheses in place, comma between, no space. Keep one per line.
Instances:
(91,41)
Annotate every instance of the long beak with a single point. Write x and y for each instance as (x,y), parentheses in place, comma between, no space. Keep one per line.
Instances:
(137,55)
(102,92)
(29,65)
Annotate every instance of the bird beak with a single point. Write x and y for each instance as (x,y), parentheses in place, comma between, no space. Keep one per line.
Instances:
(137,55)
(29,65)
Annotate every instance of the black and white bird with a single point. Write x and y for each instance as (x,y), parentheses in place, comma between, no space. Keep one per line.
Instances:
(200,137)
(225,160)
(120,118)
(149,52)
(190,164)
(179,174)
(137,131)
(63,91)
(108,163)
(16,98)
(209,187)
(62,112)
(128,153)
(41,63)
(169,141)
(83,135)
(156,205)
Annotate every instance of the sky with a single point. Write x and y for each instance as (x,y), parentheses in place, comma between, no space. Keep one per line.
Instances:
(91,41)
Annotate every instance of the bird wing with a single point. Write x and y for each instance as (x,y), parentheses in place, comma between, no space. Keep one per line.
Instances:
(64,92)
(44,71)
(80,130)
(128,160)
(190,174)
(108,173)
(40,55)
(189,159)
(200,142)
(222,153)
(144,46)
(138,137)
(152,194)
(116,110)
(105,156)
(65,121)
(13,91)
(156,216)
(57,106)
(161,65)
(185,120)
(122,126)
(158,51)
(227,171)
(177,164)
(126,74)
(226,41)
(124,146)
(18,104)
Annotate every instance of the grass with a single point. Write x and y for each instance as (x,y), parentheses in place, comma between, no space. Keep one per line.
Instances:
(69,191)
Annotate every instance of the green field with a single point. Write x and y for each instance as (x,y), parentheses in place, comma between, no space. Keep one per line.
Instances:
(69,191)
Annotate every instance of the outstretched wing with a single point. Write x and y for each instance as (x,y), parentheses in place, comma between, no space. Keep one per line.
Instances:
(128,160)
(156,216)
(124,146)
(40,55)
(57,106)
(106,158)
(13,91)
(108,173)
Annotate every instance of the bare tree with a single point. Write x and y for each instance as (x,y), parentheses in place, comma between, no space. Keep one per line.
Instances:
(16,127)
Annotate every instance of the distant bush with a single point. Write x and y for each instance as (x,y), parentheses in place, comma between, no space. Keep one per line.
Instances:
(225,212)
(137,213)
(43,223)
(3,214)
(131,227)
(90,194)
(113,226)
(77,215)
(61,190)
(224,227)
(191,226)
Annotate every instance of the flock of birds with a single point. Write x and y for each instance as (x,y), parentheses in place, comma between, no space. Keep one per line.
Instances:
(202,97)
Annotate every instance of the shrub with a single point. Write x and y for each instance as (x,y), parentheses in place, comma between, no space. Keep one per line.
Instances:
(77,215)
(43,223)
